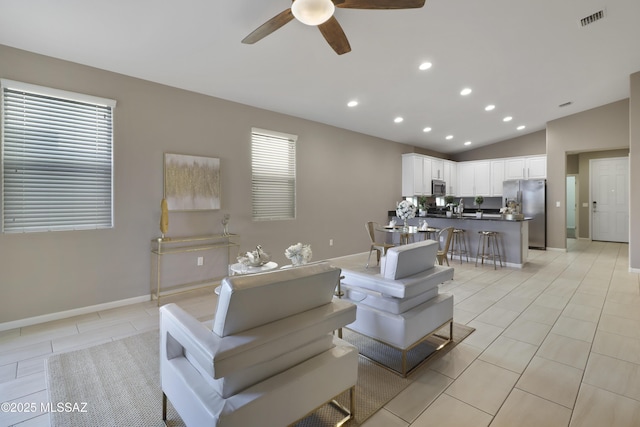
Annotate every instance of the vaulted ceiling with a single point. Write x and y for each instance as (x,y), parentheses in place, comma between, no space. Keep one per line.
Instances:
(527,58)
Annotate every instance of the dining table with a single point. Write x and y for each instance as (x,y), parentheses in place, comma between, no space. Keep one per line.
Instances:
(407,233)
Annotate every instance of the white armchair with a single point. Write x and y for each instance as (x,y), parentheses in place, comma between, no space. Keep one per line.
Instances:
(271,358)
(401,306)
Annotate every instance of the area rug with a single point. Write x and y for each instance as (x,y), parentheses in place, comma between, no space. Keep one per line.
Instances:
(118,384)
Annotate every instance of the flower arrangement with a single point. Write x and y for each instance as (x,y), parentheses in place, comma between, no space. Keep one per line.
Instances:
(479,201)
(405,210)
(299,254)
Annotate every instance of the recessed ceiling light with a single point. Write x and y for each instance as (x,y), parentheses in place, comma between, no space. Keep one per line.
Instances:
(449,137)
(425,66)
(507,119)
(489,107)
(352,103)
(427,129)
(521,127)
(467,143)
(398,119)
(465,91)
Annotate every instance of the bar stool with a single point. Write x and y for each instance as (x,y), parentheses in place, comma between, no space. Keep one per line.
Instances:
(459,244)
(488,239)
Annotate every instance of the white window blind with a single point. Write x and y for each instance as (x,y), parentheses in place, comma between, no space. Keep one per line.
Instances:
(273,180)
(56,159)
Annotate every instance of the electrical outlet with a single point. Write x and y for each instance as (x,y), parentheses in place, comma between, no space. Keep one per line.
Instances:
(330,242)
(200,261)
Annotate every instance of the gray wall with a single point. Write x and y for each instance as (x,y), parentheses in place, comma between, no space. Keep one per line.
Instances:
(602,128)
(525,145)
(344,180)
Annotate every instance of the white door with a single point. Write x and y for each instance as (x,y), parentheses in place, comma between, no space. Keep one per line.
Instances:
(610,199)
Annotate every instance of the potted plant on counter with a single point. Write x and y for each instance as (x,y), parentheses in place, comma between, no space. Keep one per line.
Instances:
(422,205)
(448,200)
(479,201)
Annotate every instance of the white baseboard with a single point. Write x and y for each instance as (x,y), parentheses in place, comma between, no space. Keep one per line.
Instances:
(634,270)
(70,313)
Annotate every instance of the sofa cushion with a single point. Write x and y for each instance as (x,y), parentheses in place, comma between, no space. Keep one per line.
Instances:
(404,330)
(407,260)
(387,303)
(253,300)
(402,288)
(239,380)
(239,351)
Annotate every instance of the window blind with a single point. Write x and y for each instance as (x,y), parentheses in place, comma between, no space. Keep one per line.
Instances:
(56,159)
(273,180)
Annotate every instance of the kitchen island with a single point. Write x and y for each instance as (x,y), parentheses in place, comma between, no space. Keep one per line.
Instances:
(513,237)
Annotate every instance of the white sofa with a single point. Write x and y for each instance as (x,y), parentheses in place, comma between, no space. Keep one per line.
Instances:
(271,358)
(401,306)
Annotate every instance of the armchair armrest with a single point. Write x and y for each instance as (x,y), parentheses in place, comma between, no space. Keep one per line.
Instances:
(181,333)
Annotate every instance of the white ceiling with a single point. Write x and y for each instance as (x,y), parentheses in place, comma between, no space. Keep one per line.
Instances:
(526,57)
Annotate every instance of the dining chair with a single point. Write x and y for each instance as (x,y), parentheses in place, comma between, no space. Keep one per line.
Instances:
(379,247)
(442,252)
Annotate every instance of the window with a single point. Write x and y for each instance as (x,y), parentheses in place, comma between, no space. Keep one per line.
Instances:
(56,159)
(273,175)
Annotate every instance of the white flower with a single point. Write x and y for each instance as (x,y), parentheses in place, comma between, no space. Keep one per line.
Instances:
(405,210)
(298,253)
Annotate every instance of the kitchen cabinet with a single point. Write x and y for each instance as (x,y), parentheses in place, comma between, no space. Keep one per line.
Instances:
(451,177)
(437,169)
(514,168)
(536,167)
(530,167)
(497,177)
(474,179)
(416,175)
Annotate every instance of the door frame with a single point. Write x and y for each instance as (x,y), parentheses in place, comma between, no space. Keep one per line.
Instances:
(576,198)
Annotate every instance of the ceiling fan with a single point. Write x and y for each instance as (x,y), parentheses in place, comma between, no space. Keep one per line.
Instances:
(320,13)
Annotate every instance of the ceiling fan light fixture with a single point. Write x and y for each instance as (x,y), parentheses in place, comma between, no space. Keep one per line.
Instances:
(312,12)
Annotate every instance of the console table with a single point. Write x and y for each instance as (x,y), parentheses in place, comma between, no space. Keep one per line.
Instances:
(182,264)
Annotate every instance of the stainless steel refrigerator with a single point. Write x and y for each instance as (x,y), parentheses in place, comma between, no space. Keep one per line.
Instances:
(530,195)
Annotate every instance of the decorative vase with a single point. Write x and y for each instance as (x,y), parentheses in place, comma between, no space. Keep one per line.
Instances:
(478,215)
(405,227)
(449,214)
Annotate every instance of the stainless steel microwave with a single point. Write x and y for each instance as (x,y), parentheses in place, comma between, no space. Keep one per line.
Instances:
(438,187)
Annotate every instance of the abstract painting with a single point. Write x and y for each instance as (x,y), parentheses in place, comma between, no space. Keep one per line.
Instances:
(191,182)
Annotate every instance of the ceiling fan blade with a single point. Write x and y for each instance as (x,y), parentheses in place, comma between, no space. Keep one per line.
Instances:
(269,27)
(334,35)
(379,4)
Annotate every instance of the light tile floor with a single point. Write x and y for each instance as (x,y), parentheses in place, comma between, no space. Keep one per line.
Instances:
(557,343)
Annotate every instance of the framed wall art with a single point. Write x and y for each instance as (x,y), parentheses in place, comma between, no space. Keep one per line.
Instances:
(191,182)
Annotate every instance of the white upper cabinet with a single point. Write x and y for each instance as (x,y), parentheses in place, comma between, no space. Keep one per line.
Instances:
(467,179)
(482,177)
(497,177)
(536,167)
(451,177)
(474,179)
(531,167)
(416,175)
(514,168)
(437,169)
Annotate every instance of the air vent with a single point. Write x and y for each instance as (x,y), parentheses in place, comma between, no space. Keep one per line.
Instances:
(592,18)
(566,104)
